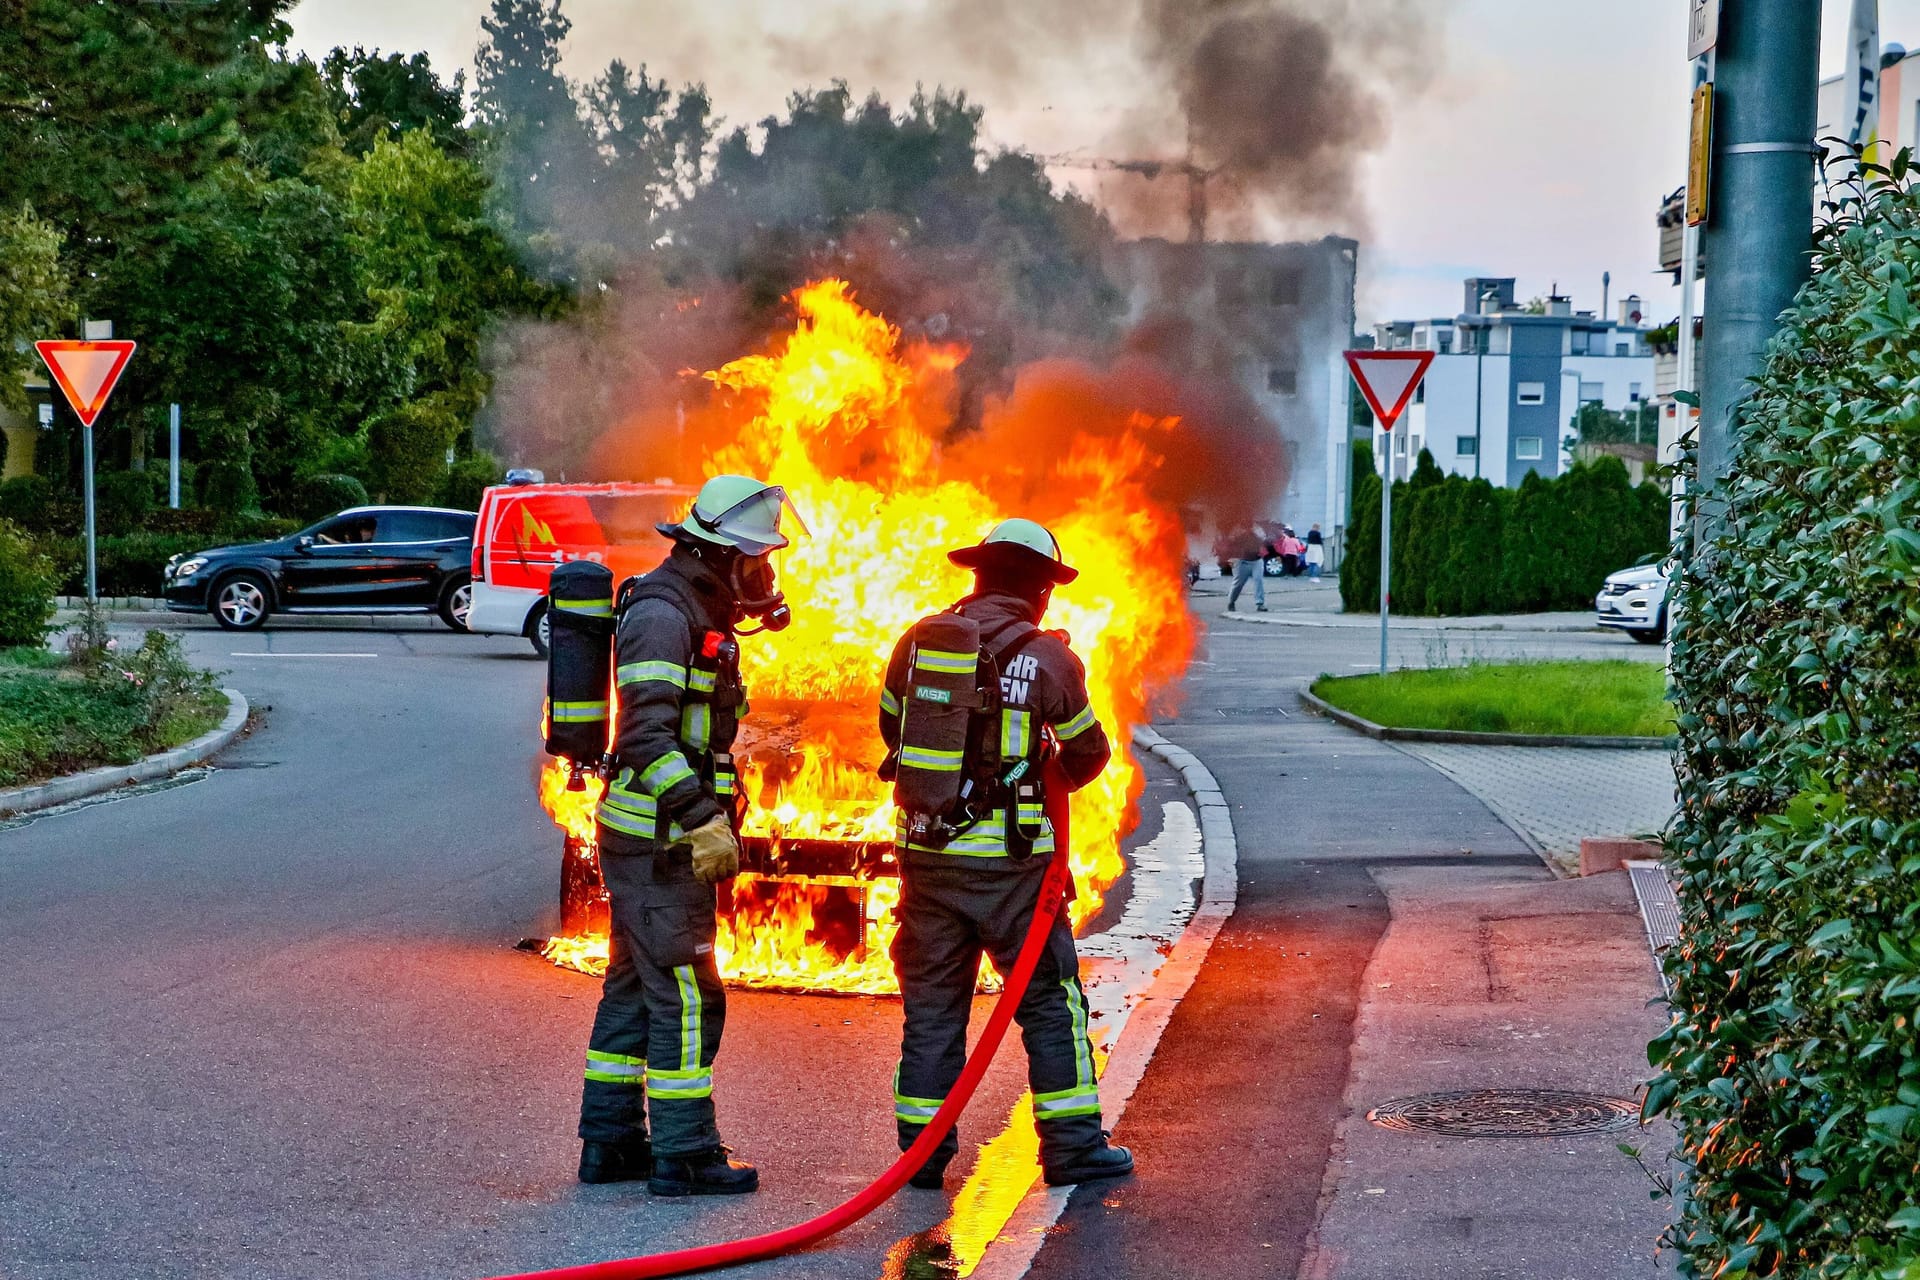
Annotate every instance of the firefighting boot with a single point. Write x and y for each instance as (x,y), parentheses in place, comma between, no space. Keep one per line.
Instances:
(1104,1161)
(932,1175)
(615,1161)
(702,1173)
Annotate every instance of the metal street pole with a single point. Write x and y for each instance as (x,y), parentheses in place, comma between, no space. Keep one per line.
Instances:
(1386,546)
(1759,227)
(86,454)
(173,451)
(1479,384)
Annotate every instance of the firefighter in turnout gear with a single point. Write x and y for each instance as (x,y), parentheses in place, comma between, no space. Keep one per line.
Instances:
(971,875)
(666,839)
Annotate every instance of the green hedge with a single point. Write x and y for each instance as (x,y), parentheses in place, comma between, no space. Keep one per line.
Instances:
(1792,1066)
(27,580)
(131,564)
(1463,547)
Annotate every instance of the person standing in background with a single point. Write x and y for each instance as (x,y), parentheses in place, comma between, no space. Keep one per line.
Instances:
(1316,552)
(1249,551)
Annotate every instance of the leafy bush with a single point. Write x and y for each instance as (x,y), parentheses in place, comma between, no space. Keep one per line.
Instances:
(467,478)
(226,486)
(315,496)
(409,450)
(1463,546)
(121,499)
(27,582)
(1792,1066)
(28,502)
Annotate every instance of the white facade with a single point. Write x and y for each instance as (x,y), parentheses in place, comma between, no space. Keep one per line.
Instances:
(1504,388)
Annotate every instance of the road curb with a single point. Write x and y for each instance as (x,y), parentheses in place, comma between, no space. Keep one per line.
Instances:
(162,764)
(135,611)
(1462,737)
(1011,1253)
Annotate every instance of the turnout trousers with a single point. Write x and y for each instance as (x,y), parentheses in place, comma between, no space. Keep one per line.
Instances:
(951,910)
(662,1007)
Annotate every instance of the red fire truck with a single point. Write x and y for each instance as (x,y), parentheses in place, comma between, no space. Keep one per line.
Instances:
(524,530)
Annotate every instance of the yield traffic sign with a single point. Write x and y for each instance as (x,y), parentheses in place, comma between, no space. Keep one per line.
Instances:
(1387,379)
(86,372)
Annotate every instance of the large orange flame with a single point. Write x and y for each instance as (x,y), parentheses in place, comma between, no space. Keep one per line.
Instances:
(852,421)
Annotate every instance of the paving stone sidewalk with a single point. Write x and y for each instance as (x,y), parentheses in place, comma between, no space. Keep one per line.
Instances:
(1553,796)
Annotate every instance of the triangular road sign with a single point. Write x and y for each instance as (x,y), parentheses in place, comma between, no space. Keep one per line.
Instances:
(86,372)
(1387,379)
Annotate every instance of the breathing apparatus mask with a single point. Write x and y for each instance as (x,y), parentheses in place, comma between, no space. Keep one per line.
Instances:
(756,594)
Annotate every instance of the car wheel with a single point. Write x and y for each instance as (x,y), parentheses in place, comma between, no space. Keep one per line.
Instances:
(241,602)
(456,603)
(537,630)
(1654,634)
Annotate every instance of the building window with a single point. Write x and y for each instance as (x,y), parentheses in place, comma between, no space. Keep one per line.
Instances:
(1592,392)
(1580,341)
(1281,380)
(1633,392)
(1446,344)
(1527,448)
(1623,348)
(1530,393)
(1465,446)
(1400,443)
(1420,392)
(1286,287)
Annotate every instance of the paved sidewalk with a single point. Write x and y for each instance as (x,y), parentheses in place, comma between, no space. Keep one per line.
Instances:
(1302,602)
(1554,796)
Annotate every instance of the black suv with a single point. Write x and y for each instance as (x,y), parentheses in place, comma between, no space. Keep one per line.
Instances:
(363,560)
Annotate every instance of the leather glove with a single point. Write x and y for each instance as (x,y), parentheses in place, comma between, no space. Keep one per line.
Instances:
(716,854)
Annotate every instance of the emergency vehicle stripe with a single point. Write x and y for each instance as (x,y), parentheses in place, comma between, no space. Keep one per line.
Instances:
(910,1109)
(697,1083)
(575,712)
(939,660)
(602,608)
(696,725)
(640,672)
(1013,734)
(931,758)
(669,770)
(889,705)
(1065,1103)
(1077,725)
(615,1068)
(690,1011)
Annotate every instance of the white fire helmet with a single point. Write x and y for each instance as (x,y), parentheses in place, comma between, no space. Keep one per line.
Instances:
(735,511)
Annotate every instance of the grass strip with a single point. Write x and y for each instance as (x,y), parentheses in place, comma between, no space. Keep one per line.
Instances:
(1613,698)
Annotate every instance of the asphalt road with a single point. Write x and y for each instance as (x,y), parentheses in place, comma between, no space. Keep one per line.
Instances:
(270,1023)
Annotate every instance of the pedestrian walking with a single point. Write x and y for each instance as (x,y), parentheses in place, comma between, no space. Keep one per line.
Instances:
(1316,552)
(1249,552)
(975,842)
(1292,553)
(666,837)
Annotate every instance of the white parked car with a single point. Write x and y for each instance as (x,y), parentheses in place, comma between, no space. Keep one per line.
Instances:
(1635,601)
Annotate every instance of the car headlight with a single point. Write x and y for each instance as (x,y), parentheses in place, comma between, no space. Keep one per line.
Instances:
(187,568)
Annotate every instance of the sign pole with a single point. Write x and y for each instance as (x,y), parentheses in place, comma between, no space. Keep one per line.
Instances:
(1386,545)
(86,453)
(173,450)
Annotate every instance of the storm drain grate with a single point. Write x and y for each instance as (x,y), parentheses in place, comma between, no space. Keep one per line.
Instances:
(1506,1113)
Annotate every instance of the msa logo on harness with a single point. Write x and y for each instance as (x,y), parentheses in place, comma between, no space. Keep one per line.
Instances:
(951,772)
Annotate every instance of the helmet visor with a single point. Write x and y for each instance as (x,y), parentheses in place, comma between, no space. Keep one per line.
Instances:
(751,524)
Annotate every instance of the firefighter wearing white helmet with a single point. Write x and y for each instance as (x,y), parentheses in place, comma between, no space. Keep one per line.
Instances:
(976,700)
(666,835)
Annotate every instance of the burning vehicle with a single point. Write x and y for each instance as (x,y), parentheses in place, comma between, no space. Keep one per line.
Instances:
(855,423)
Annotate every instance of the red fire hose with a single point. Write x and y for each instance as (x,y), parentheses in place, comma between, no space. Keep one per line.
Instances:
(1054,891)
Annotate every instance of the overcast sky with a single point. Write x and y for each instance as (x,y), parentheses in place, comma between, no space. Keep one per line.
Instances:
(1536,139)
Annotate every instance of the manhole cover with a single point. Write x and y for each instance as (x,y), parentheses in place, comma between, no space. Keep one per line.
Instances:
(1506,1113)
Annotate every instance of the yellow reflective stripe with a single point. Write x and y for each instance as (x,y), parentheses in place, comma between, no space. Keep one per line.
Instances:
(930,758)
(1082,1046)
(700,681)
(616,1068)
(575,712)
(695,1083)
(640,827)
(910,1109)
(668,771)
(889,705)
(1013,734)
(690,1010)
(1077,725)
(602,608)
(641,672)
(696,725)
(1064,1104)
(940,660)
